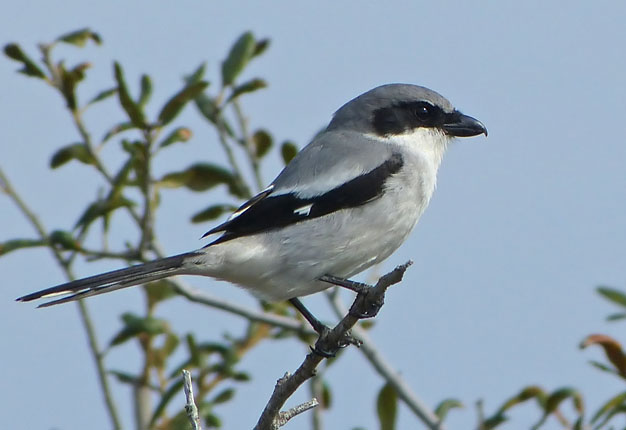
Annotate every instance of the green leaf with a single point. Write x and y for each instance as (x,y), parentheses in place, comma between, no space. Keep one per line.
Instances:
(493,421)
(181,134)
(101,208)
(240,53)
(288,150)
(64,239)
(387,407)
(207,107)
(159,291)
(260,47)
(527,393)
(445,406)
(224,396)
(556,398)
(201,177)
(14,52)
(247,87)
(118,128)
(80,37)
(146,90)
(15,244)
(174,105)
(616,317)
(211,111)
(262,143)
(124,377)
(613,403)
(171,344)
(132,109)
(613,295)
(194,352)
(212,212)
(327,396)
(69,81)
(197,74)
(211,420)
(241,376)
(120,180)
(102,95)
(612,349)
(75,151)
(135,325)
(160,355)
(603,367)
(215,348)
(174,388)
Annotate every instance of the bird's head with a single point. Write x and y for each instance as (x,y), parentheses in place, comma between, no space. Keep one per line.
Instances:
(401,110)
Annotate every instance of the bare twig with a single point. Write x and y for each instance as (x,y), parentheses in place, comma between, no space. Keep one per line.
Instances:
(197,296)
(284,417)
(190,405)
(147,218)
(328,343)
(384,369)
(248,144)
(84,313)
(92,255)
(232,160)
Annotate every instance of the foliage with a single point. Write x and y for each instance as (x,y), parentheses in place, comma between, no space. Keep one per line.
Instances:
(549,403)
(140,139)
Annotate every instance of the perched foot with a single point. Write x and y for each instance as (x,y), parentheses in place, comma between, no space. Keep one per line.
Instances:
(370,310)
(322,347)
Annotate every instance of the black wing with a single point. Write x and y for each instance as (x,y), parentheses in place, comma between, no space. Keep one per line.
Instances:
(267,212)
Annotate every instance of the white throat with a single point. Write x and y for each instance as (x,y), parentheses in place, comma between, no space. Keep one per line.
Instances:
(427,143)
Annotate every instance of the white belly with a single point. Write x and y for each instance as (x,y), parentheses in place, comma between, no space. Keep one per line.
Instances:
(285,263)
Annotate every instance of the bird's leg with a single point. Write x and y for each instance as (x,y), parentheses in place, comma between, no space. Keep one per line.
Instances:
(321,329)
(317,325)
(362,291)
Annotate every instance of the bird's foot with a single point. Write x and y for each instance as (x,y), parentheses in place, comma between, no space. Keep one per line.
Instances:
(365,307)
(327,348)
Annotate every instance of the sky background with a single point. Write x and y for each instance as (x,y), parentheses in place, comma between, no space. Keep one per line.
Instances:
(522,228)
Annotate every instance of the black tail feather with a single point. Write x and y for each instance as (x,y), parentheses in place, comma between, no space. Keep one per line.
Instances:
(111,281)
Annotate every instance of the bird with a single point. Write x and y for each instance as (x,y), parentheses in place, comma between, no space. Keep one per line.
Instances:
(344,203)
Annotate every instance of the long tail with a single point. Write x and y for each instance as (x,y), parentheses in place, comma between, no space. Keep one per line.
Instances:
(111,281)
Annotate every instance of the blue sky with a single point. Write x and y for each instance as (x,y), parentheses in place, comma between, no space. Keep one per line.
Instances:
(523,225)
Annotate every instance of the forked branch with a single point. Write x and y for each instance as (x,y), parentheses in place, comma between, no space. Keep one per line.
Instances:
(272,418)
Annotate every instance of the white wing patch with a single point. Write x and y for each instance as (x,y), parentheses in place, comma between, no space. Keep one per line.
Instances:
(304,210)
(251,202)
(62,293)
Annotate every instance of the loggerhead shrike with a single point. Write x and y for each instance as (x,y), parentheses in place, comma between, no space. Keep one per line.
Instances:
(347,201)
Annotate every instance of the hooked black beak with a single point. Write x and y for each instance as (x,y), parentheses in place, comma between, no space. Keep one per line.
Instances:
(459,125)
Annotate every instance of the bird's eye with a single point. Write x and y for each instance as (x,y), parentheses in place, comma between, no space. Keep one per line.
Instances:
(422,111)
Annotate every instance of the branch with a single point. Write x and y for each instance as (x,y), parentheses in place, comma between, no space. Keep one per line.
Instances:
(384,369)
(84,312)
(248,144)
(190,406)
(222,134)
(198,296)
(331,341)
(284,417)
